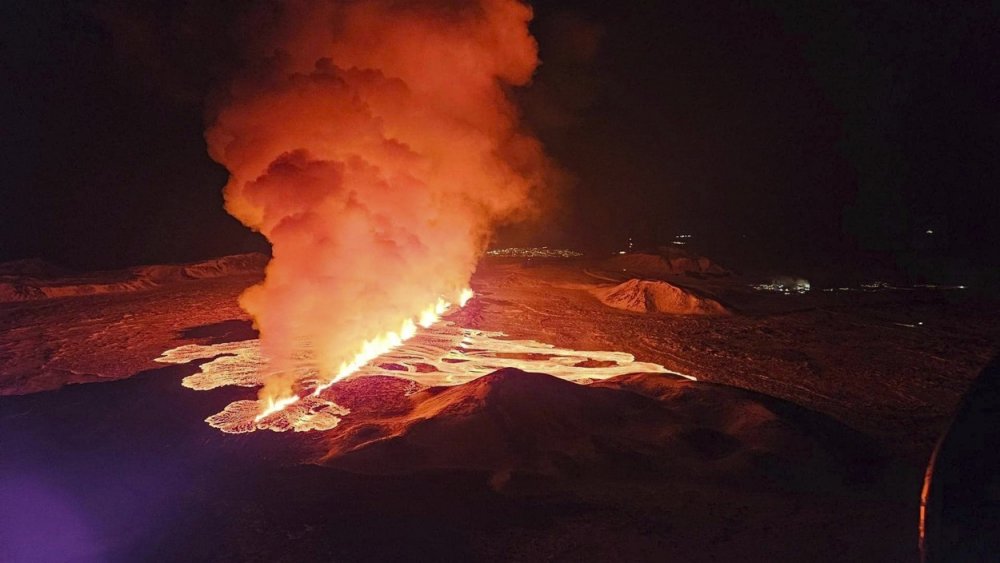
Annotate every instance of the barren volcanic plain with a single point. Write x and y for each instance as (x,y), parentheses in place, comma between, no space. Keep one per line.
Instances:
(576,434)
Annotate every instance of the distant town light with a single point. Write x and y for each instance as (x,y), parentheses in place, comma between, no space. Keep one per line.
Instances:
(543,252)
(785,286)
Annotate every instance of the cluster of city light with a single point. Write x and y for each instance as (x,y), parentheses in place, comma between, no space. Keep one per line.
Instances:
(786,287)
(543,252)
(874,286)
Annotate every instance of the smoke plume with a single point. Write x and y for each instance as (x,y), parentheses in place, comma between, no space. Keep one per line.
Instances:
(374,144)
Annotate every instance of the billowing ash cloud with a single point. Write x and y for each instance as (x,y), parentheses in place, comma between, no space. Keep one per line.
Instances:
(373,143)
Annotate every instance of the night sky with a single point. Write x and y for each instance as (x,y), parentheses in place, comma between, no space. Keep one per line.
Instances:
(818,130)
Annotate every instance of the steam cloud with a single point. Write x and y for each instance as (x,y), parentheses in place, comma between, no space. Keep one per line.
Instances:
(375,146)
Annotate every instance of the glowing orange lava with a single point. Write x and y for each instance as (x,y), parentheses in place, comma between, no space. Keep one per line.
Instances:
(464,297)
(276,405)
(444,354)
(370,350)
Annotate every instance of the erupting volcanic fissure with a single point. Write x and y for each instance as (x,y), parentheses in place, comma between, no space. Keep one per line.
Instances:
(374,145)
(370,350)
(442,354)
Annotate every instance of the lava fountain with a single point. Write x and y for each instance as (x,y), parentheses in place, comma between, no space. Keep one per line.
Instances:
(370,350)
(374,144)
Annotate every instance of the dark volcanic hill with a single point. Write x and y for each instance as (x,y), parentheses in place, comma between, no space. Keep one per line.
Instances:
(653,463)
(513,421)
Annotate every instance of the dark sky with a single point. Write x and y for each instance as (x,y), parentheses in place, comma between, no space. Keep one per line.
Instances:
(809,128)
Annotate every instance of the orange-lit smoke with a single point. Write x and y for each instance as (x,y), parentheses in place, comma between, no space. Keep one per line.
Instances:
(373,143)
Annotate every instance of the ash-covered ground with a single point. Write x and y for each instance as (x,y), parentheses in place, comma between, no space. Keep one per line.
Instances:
(804,437)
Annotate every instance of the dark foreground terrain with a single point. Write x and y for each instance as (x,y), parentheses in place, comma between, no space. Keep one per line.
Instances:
(804,438)
(537,469)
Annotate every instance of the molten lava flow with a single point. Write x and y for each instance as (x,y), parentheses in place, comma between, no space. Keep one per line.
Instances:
(376,146)
(464,297)
(444,354)
(276,405)
(370,350)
